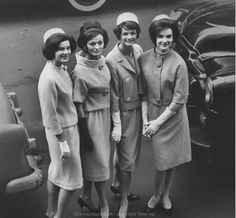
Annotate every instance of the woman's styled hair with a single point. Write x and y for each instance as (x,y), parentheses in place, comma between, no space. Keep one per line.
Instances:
(52,44)
(128,25)
(157,26)
(88,31)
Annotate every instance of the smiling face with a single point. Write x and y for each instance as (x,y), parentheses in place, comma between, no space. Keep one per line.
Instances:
(164,41)
(128,37)
(95,47)
(63,53)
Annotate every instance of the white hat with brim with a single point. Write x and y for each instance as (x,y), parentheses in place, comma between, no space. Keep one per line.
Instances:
(126,16)
(51,32)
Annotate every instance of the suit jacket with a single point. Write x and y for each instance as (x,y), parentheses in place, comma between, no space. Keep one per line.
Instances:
(126,86)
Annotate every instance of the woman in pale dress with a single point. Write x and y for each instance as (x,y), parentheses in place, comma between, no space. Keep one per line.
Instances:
(60,122)
(91,94)
(164,108)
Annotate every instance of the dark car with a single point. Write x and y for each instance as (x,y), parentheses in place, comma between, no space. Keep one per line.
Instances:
(19,154)
(207,44)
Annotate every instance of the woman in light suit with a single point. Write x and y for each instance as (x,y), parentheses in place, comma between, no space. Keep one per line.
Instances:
(60,122)
(164,108)
(125,105)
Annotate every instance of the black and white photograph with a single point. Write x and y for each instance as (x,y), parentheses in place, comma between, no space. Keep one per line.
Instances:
(117,108)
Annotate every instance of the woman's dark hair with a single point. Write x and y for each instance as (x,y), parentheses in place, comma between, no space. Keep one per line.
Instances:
(89,34)
(129,25)
(52,44)
(157,26)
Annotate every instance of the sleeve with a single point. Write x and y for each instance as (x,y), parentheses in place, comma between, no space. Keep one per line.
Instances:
(142,82)
(180,95)
(48,101)
(114,87)
(80,89)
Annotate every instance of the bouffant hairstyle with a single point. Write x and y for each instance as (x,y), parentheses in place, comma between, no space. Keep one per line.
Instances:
(52,44)
(88,31)
(129,25)
(157,26)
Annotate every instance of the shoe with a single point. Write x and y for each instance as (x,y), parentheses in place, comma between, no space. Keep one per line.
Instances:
(152,203)
(168,211)
(131,196)
(89,206)
(122,212)
(103,212)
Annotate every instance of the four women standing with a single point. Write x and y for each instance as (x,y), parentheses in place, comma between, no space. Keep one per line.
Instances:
(146,91)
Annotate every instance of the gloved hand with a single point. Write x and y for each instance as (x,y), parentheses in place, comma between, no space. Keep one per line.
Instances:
(144,116)
(154,125)
(65,150)
(116,132)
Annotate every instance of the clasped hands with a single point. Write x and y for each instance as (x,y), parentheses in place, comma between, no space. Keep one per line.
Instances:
(150,128)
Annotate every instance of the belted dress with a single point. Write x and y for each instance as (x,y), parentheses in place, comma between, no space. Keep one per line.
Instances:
(91,82)
(166,80)
(125,97)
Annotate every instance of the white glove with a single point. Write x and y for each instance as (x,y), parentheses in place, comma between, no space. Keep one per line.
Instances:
(154,125)
(65,150)
(116,132)
(144,116)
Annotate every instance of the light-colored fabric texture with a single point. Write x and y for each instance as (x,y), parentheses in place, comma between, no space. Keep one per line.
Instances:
(91,79)
(166,80)
(66,174)
(125,96)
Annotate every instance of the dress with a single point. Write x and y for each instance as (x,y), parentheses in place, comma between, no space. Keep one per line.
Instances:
(166,81)
(125,96)
(59,115)
(91,79)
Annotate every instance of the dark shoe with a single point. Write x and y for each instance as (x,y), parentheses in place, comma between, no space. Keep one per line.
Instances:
(168,211)
(131,196)
(90,207)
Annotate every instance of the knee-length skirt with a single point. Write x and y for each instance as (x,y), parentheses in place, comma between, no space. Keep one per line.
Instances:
(171,144)
(127,151)
(95,163)
(66,174)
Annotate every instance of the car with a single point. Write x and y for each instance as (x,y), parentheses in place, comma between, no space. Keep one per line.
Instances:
(19,153)
(207,44)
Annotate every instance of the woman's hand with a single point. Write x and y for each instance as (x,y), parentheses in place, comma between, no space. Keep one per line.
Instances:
(152,127)
(116,133)
(65,150)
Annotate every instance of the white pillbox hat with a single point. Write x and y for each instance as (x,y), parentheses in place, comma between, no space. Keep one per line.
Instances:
(160,17)
(51,32)
(126,16)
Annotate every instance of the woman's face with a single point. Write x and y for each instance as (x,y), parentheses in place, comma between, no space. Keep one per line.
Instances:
(128,37)
(63,53)
(95,47)
(164,41)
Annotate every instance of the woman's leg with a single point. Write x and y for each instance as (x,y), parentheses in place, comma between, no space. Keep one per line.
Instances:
(125,179)
(104,208)
(87,191)
(160,177)
(168,184)
(53,192)
(116,172)
(63,200)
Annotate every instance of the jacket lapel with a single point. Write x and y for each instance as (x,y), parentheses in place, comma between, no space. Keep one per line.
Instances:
(122,60)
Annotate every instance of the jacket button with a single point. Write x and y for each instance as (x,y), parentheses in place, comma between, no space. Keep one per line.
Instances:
(128,98)
(105,92)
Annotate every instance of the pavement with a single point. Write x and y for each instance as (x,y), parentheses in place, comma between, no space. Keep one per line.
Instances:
(200,190)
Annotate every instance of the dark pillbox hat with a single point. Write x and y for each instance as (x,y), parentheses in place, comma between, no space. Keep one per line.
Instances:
(90,25)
